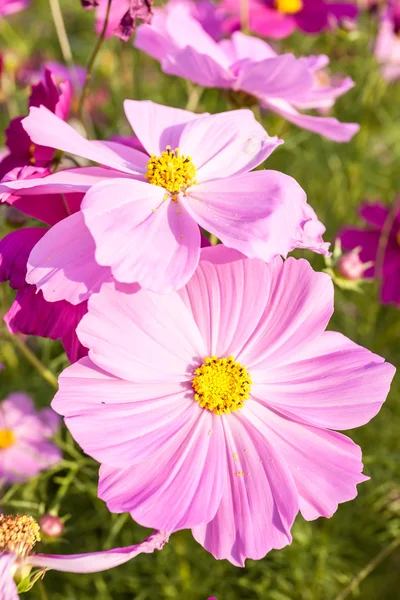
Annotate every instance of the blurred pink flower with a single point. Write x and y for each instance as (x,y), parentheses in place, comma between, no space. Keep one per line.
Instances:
(249,67)
(350,266)
(387,48)
(145,211)
(378,219)
(9,7)
(123,15)
(51,526)
(25,449)
(280,18)
(16,555)
(30,313)
(22,151)
(212,408)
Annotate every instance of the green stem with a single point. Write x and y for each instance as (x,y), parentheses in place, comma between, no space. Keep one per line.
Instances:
(61,32)
(92,60)
(33,359)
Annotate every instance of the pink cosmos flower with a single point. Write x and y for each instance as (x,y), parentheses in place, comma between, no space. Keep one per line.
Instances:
(9,7)
(280,18)
(25,449)
(249,67)
(122,17)
(30,313)
(212,408)
(380,225)
(145,210)
(22,151)
(19,534)
(387,48)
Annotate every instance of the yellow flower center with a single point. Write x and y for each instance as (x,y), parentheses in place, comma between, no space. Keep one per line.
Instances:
(18,534)
(289,7)
(221,385)
(172,171)
(7,438)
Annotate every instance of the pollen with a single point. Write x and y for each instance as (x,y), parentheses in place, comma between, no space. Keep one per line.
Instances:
(288,7)
(221,385)
(7,438)
(172,171)
(18,534)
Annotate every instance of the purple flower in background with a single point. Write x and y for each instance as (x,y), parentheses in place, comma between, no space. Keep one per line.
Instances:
(30,313)
(122,17)
(9,7)
(380,244)
(18,536)
(249,68)
(21,149)
(280,18)
(387,48)
(25,449)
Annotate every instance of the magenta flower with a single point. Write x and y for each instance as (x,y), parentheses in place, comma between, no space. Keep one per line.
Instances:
(369,240)
(280,18)
(387,48)
(25,449)
(249,67)
(9,7)
(30,313)
(145,211)
(19,534)
(22,151)
(212,408)
(123,15)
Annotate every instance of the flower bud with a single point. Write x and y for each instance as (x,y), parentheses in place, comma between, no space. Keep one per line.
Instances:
(350,266)
(51,526)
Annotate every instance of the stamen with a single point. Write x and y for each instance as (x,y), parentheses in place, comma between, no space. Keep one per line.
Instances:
(7,438)
(18,534)
(221,385)
(289,7)
(172,171)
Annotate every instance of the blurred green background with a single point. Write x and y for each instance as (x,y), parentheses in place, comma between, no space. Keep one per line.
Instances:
(328,554)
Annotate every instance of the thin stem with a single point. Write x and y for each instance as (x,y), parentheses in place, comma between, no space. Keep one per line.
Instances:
(363,574)
(61,32)
(33,359)
(92,59)
(244,16)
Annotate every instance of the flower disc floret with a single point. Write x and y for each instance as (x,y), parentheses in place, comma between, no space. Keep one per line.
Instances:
(221,385)
(18,534)
(7,438)
(289,7)
(172,171)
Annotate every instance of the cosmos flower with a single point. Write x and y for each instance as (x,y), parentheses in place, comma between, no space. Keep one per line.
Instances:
(249,68)
(382,232)
(387,48)
(22,151)
(18,536)
(280,18)
(25,449)
(30,313)
(213,408)
(145,211)
(9,7)
(122,16)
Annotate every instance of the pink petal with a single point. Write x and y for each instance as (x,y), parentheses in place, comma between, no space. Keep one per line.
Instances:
(326,466)
(45,128)
(49,208)
(375,214)
(260,213)
(141,235)
(200,68)
(15,249)
(156,125)
(93,562)
(226,144)
(188,474)
(332,382)
(246,46)
(259,502)
(121,422)
(8,589)
(62,264)
(328,127)
(160,351)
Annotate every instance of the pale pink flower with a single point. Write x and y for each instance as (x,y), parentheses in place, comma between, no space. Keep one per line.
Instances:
(387,48)
(249,67)
(212,408)
(9,7)
(25,446)
(122,16)
(21,533)
(143,212)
